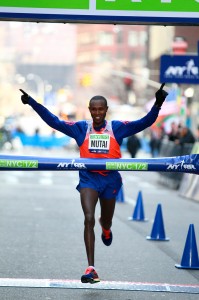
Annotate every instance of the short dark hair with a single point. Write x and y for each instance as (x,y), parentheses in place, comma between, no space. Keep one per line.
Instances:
(98,97)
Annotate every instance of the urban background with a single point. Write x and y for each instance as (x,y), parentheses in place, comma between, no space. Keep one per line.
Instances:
(64,65)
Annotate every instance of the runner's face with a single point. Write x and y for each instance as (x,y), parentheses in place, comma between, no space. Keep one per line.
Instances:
(98,111)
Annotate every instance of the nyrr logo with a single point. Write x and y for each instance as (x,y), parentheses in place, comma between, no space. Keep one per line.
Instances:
(71,165)
(182,166)
(189,70)
(125,166)
(19,164)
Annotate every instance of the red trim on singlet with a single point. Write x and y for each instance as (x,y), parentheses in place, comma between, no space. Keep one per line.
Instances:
(114,149)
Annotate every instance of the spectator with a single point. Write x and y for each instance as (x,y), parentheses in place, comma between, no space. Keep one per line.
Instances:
(156,141)
(5,137)
(197,134)
(174,133)
(133,145)
(185,136)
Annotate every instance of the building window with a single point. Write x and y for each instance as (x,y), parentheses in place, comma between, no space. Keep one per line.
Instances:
(143,38)
(105,38)
(137,38)
(133,40)
(85,39)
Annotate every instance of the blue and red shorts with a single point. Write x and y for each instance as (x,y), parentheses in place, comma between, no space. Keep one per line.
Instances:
(107,186)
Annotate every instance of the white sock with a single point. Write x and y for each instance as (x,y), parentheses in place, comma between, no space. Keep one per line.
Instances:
(91,267)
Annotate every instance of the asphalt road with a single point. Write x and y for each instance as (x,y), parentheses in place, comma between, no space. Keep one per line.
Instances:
(41,237)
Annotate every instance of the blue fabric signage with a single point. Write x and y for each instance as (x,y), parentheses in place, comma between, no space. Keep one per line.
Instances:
(179,69)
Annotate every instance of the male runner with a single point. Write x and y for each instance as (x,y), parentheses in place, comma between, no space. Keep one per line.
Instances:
(98,138)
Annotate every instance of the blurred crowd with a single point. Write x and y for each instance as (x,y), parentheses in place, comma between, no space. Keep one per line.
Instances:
(150,142)
(15,138)
(179,134)
(5,136)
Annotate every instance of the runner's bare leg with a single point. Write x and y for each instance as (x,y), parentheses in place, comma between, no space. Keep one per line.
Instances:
(107,212)
(89,198)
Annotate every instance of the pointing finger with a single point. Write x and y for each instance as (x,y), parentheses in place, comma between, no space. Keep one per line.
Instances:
(162,85)
(23,92)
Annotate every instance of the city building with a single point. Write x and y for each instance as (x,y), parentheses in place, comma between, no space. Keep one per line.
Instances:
(105,48)
(39,57)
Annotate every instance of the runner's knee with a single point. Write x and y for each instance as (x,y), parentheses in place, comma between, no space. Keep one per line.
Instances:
(89,220)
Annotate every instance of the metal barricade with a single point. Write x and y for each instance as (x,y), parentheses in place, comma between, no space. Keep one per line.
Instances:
(170,149)
(189,186)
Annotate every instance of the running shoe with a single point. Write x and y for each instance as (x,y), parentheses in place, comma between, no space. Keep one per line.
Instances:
(90,276)
(106,236)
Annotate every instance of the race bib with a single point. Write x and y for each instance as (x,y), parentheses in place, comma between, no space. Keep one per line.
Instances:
(99,143)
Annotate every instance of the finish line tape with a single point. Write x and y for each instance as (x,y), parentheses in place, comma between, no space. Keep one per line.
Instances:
(183,164)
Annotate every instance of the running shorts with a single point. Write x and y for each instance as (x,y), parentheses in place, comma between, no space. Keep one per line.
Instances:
(107,186)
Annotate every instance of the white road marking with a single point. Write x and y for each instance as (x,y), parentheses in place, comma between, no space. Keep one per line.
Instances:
(103,285)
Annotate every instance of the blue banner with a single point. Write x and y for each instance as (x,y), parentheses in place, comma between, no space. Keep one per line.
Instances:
(102,11)
(181,164)
(179,69)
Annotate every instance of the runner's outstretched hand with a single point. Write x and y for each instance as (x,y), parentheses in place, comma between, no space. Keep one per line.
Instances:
(25,97)
(160,96)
